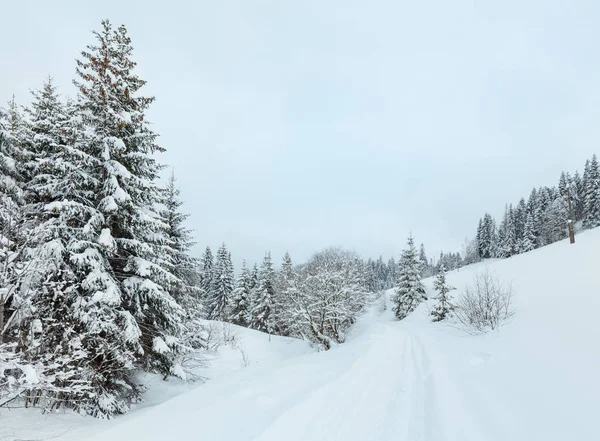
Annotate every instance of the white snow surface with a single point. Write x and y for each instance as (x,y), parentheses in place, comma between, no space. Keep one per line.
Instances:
(534,379)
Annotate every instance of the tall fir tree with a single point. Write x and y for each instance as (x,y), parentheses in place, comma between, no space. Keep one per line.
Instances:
(262,307)
(592,195)
(486,237)
(529,241)
(576,190)
(284,289)
(88,340)
(239,308)
(119,139)
(44,134)
(206,276)
(179,242)
(12,233)
(410,291)
(222,285)
(425,271)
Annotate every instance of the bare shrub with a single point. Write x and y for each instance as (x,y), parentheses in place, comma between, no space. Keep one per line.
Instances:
(485,304)
(245,358)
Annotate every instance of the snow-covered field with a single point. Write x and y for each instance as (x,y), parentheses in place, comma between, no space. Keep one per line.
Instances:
(535,379)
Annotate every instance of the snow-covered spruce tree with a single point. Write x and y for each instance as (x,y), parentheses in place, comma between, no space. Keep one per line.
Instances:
(179,242)
(186,291)
(410,291)
(12,234)
(576,190)
(520,217)
(43,136)
(444,307)
(391,277)
(206,277)
(222,285)
(85,339)
(425,269)
(119,139)
(253,292)
(15,123)
(545,199)
(486,237)
(285,285)
(507,244)
(592,195)
(262,305)
(239,308)
(529,237)
(558,216)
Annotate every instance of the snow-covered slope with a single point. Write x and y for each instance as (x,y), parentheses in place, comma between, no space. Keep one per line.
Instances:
(235,348)
(535,379)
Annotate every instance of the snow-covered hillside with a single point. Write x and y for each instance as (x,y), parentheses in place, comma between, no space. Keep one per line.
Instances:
(537,378)
(235,348)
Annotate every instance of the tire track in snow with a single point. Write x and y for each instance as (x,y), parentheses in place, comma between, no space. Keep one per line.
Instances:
(370,401)
(448,415)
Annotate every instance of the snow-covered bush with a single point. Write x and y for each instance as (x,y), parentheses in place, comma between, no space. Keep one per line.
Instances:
(329,296)
(485,304)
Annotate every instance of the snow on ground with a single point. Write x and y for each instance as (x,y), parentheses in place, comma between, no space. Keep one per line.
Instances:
(235,348)
(534,379)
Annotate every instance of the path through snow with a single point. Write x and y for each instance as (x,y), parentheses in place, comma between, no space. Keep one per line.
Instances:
(381,385)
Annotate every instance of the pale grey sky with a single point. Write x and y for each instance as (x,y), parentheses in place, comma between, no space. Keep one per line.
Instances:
(294,125)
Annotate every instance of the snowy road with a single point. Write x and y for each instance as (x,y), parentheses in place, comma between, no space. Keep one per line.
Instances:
(381,385)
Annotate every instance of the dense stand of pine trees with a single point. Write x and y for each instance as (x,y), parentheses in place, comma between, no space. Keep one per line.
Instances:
(542,218)
(96,280)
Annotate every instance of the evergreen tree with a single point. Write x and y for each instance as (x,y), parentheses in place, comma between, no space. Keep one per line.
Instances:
(592,195)
(222,285)
(262,307)
(15,125)
(486,237)
(507,237)
(410,291)
(239,308)
(88,340)
(12,234)
(391,276)
(206,276)
(284,285)
(424,263)
(253,292)
(479,240)
(254,277)
(529,237)
(44,134)
(444,306)
(545,199)
(577,196)
(119,139)
(520,217)
(558,216)
(179,242)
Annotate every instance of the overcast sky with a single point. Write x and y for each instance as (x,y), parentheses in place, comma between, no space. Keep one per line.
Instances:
(295,125)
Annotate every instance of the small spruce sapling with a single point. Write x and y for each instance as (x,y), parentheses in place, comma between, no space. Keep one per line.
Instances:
(444,306)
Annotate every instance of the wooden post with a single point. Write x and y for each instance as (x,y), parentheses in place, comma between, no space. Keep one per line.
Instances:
(571,226)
